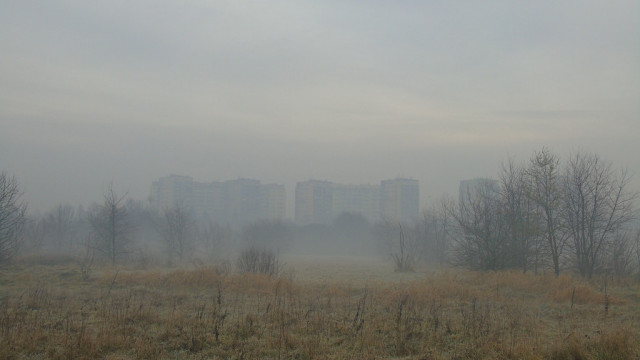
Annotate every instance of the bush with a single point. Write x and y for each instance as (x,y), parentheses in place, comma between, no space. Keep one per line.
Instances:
(258,261)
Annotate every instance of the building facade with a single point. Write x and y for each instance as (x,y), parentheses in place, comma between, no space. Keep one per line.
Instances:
(400,199)
(356,199)
(273,201)
(234,202)
(313,202)
(319,202)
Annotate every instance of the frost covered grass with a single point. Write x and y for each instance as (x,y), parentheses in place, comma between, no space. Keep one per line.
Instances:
(340,308)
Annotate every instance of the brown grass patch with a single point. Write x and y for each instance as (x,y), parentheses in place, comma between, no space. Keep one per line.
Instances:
(208,313)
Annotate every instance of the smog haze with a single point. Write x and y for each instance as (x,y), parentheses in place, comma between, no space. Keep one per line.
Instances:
(100,92)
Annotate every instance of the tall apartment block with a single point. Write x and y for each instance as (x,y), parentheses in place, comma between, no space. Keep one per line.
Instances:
(314,202)
(319,202)
(170,190)
(359,199)
(234,202)
(400,199)
(273,204)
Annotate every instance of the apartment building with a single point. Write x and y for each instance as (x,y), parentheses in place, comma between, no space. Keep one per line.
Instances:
(319,202)
(313,202)
(400,199)
(234,202)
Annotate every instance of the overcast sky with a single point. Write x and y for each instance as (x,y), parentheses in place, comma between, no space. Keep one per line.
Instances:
(94,92)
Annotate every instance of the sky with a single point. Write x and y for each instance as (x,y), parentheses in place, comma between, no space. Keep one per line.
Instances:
(102,92)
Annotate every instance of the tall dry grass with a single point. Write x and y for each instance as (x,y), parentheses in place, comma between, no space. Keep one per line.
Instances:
(53,312)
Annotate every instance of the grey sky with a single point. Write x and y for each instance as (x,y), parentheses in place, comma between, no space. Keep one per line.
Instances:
(350,91)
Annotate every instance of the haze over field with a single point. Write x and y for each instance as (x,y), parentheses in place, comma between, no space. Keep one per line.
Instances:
(352,92)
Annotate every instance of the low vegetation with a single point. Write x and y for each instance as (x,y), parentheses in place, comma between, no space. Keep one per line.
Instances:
(258,261)
(50,309)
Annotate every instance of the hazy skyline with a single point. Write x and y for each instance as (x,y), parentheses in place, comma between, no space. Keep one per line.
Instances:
(352,92)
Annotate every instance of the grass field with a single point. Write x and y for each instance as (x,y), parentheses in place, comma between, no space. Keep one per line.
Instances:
(327,308)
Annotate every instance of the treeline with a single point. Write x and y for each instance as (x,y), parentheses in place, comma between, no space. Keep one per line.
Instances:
(543,215)
(121,229)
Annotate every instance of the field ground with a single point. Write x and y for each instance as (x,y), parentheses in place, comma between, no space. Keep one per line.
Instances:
(321,307)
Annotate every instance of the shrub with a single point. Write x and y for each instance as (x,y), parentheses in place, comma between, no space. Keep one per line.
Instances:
(258,261)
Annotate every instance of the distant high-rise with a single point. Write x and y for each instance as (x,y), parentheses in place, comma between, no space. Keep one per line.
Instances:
(234,202)
(313,202)
(400,199)
(356,199)
(272,201)
(319,202)
(172,190)
(242,200)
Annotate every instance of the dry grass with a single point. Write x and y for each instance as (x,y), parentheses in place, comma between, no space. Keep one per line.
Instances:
(358,308)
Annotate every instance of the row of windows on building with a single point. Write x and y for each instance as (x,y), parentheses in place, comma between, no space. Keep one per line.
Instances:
(242,201)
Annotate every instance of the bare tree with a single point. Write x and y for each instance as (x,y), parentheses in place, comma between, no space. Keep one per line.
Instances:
(60,227)
(111,226)
(480,241)
(177,230)
(12,216)
(620,255)
(404,254)
(597,206)
(433,232)
(544,188)
(399,242)
(520,221)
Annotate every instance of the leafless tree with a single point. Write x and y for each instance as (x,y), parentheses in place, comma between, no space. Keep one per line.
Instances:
(544,188)
(60,227)
(620,255)
(598,204)
(177,229)
(112,226)
(520,221)
(12,216)
(404,252)
(480,239)
(433,232)
(400,243)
